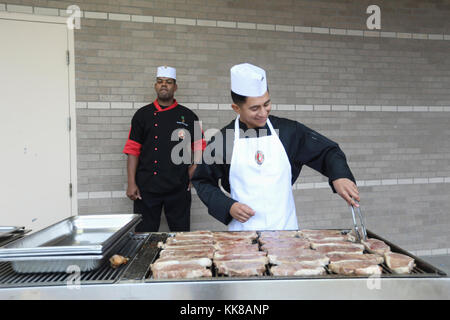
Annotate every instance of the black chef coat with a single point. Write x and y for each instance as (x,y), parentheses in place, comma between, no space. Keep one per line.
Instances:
(150,139)
(303,146)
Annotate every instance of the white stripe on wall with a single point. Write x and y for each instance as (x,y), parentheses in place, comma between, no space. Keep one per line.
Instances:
(227,24)
(281,107)
(297,186)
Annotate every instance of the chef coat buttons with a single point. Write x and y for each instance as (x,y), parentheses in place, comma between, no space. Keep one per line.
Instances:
(155,173)
(155,114)
(156,161)
(156,149)
(156,137)
(156,124)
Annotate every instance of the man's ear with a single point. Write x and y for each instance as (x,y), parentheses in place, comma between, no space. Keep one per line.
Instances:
(175,87)
(236,108)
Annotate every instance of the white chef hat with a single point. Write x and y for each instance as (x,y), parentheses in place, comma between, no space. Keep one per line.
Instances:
(166,72)
(248,80)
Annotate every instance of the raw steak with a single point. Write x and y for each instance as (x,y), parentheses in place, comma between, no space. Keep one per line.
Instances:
(186,271)
(296,269)
(339,250)
(272,247)
(376,246)
(282,240)
(207,253)
(316,244)
(355,268)
(374,258)
(322,260)
(240,269)
(166,261)
(187,247)
(188,254)
(399,263)
(225,255)
(319,232)
(176,241)
(238,247)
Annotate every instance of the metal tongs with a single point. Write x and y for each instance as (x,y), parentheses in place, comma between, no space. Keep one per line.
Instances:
(361,219)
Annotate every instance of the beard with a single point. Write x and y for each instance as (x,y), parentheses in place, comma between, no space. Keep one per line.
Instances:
(165,95)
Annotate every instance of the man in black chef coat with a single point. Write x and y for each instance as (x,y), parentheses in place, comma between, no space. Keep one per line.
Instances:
(259,168)
(155,178)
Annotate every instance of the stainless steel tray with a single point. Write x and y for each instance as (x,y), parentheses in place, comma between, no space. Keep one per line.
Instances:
(9,231)
(89,234)
(61,263)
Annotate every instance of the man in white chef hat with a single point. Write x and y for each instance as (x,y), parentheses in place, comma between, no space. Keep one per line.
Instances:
(155,180)
(265,165)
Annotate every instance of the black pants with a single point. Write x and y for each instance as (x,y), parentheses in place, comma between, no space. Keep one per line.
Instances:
(177,207)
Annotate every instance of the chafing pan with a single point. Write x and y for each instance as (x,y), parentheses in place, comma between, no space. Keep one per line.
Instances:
(81,235)
(9,231)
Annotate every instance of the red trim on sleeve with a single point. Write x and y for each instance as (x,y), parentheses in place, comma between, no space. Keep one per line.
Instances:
(132,147)
(173,105)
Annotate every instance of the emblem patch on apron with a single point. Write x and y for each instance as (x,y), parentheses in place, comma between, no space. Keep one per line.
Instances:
(259,157)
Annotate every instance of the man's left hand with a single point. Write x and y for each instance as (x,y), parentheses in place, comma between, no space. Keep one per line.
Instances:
(191,171)
(347,189)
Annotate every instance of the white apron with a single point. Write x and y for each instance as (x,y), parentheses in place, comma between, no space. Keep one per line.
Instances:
(260,177)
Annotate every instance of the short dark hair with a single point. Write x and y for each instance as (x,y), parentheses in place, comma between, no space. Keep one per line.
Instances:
(238,99)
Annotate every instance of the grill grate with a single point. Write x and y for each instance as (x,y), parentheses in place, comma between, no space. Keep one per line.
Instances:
(140,266)
(128,247)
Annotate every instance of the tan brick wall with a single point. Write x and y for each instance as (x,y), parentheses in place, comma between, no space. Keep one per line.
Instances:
(384,96)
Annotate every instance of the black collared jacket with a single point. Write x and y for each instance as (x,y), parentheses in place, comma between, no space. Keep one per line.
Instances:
(303,146)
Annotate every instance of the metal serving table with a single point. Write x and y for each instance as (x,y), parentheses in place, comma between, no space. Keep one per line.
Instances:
(134,281)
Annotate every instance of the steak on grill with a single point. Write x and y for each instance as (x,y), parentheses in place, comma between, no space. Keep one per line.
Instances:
(276,246)
(225,255)
(236,247)
(315,244)
(191,241)
(167,261)
(296,269)
(240,269)
(375,258)
(376,246)
(283,241)
(309,260)
(399,263)
(199,246)
(185,271)
(339,249)
(355,268)
(207,253)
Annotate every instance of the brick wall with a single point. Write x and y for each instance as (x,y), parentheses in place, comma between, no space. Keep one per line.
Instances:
(384,96)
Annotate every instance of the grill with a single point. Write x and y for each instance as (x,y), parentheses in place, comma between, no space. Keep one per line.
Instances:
(150,253)
(142,250)
(128,247)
